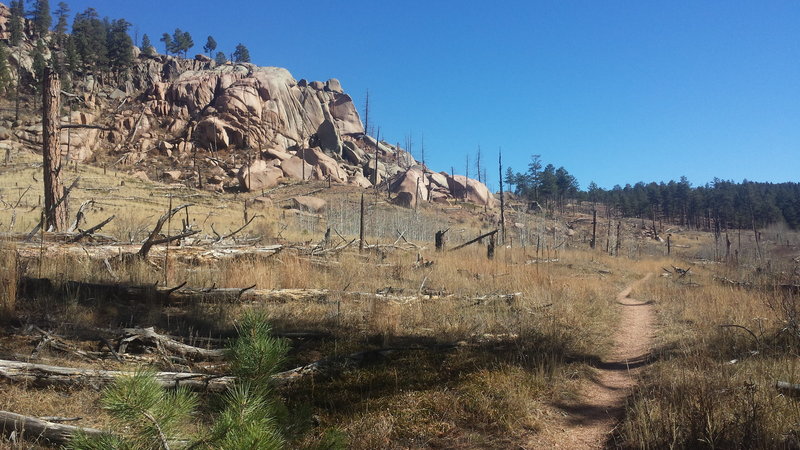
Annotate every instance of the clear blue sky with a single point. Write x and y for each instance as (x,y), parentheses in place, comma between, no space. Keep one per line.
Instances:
(617,92)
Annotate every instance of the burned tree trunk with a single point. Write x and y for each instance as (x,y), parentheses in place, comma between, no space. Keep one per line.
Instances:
(594,229)
(55,212)
(439,240)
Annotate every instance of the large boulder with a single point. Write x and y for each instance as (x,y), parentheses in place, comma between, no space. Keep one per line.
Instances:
(327,166)
(409,188)
(470,190)
(308,204)
(328,137)
(353,154)
(258,175)
(297,169)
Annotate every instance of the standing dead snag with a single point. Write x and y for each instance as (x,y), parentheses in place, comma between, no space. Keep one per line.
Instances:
(54,206)
(153,239)
(440,239)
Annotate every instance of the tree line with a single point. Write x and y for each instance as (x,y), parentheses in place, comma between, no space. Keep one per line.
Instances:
(720,204)
(99,46)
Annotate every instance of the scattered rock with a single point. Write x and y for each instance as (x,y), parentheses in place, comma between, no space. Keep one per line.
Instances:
(258,175)
(308,204)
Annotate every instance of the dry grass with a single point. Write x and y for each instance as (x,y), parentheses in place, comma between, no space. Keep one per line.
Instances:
(713,386)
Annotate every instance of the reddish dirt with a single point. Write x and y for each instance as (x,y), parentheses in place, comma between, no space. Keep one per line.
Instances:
(590,419)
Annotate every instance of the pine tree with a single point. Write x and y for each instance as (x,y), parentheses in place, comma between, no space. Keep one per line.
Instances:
(119,45)
(90,36)
(5,71)
(16,27)
(147,47)
(39,62)
(210,46)
(186,42)
(168,44)
(71,59)
(41,17)
(61,14)
(242,54)
(220,59)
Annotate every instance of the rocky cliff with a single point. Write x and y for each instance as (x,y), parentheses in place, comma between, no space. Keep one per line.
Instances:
(232,127)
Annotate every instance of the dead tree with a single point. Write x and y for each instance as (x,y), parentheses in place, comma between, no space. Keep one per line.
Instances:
(56,216)
(153,239)
(439,238)
(491,233)
(502,199)
(594,229)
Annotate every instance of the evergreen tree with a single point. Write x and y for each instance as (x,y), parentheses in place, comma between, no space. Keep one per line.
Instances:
(90,36)
(71,59)
(179,42)
(168,44)
(5,70)
(242,54)
(147,47)
(61,14)
(220,59)
(39,61)
(210,46)
(186,42)
(119,45)
(16,27)
(41,17)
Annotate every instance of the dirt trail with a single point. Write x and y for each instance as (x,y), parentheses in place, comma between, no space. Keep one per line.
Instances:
(591,419)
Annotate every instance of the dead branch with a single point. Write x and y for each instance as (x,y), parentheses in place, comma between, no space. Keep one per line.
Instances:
(91,127)
(91,230)
(238,229)
(474,240)
(151,240)
(79,216)
(758,342)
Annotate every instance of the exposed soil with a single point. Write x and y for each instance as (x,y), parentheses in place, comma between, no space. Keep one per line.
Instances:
(590,419)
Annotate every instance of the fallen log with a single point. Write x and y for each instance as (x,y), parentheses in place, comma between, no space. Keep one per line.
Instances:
(788,389)
(34,428)
(149,337)
(69,377)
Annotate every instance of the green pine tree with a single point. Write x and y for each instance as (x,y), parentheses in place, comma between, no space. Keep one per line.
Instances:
(220,58)
(42,20)
(39,61)
(16,27)
(120,46)
(210,46)
(90,36)
(242,54)
(168,44)
(61,23)
(147,47)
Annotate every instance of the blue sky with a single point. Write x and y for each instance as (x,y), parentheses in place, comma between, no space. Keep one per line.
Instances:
(617,92)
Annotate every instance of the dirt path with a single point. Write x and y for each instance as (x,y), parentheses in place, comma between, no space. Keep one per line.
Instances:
(591,419)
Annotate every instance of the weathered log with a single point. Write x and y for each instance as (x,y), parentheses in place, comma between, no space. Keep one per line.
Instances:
(789,389)
(46,375)
(35,428)
(148,336)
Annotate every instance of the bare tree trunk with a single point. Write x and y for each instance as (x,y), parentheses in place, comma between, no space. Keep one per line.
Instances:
(361,227)
(56,216)
(594,229)
(502,200)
